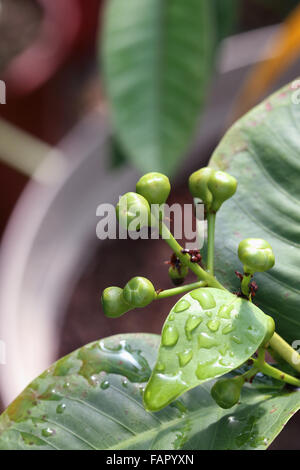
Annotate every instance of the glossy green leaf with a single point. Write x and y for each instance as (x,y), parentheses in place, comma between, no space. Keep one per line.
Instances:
(97,404)
(157,59)
(262,150)
(208,333)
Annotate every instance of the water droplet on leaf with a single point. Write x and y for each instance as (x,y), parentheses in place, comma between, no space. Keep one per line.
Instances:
(204,297)
(236,339)
(105,385)
(191,324)
(206,341)
(225,311)
(228,329)
(61,408)
(213,325)
(181,306)
(170,335)
(185,357)
(48,432)
(160,367)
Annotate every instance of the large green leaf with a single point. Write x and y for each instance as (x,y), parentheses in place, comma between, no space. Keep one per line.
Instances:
(91,400)
(208,333)
(157,58)
(262,150)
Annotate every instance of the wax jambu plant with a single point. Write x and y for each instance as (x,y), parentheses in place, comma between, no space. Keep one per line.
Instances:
(205,382)
(210,331)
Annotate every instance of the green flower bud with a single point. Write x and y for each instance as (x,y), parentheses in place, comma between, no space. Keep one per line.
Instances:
(198,185)
(212,187)
(226,392)
(139,292)
(178,275)
(256,255)
(222,187)
(133,207)
(154,187)
(113,302)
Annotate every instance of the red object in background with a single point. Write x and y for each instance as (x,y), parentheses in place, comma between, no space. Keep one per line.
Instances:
(68,27)
(43,82)
(41,87)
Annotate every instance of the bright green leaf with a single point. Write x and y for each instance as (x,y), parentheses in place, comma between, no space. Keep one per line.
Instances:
(262,150)
(208,333)
(72,406)
(157,59)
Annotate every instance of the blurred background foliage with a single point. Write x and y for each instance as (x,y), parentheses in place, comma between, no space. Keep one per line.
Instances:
(151,52)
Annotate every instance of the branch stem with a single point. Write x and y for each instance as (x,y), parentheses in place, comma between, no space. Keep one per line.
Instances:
(286,351)
(245,285)
(180,290)
(277,374)
(185,259)
(211,222)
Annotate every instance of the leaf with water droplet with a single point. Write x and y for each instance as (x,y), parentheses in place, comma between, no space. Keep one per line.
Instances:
(215,346)
(93,418)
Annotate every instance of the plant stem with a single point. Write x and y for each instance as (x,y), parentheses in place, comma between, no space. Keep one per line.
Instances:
(180,290)
(285,351)
(261,354)
(245,284)
(250,373)
(211,222)
(276,373)
(185,259)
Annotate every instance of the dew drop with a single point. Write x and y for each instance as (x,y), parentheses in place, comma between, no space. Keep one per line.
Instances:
(206,341)
(48,432)
(228,329)
(185,357)
(125,383)
(236,339)
(160,366)
(225,311)
(205,370)
(204,297)
(225,362)
(162,389)
(191,324)
(61,409)
(213,325)
(105,385)
(223,349)
(181,306)
(170,335)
